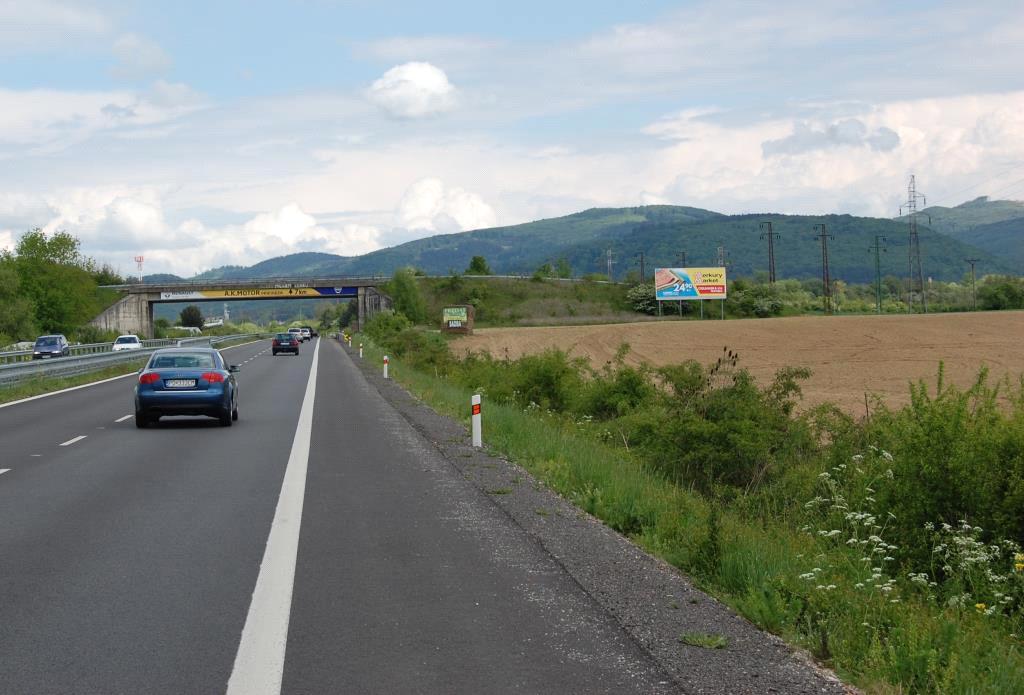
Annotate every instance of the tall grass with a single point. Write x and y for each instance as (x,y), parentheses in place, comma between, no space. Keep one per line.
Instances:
(785,543)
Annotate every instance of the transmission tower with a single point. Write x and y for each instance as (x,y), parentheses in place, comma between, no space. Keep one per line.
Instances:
(826,281)
(916,273)
(138,262)
(611,262)
(643,268)
(974,287)
(879,249)
(771,237)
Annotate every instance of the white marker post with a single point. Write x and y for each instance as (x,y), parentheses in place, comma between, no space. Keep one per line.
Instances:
(477,434)
(360,351)
(385,366)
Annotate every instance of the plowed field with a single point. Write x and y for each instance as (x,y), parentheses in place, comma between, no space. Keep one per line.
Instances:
(848,355)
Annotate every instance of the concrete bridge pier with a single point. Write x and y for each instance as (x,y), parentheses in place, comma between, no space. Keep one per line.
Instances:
(369,302)
(133,313)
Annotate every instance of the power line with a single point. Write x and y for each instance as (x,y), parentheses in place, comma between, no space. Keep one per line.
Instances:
(879,249)
(916,279)
(771,236)
(826,281)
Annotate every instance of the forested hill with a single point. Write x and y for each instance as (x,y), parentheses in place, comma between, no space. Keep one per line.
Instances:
(661,233)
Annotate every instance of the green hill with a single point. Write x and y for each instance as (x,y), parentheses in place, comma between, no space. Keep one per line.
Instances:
(1004,240)
(958,221)
(661,232)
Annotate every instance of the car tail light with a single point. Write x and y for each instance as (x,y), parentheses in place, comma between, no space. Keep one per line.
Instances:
(149,378)
(213,377)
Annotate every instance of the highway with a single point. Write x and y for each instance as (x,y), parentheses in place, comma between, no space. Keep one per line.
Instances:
(137,561)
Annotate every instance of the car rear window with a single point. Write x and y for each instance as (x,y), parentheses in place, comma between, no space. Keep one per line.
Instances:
(188,360)
(284,336)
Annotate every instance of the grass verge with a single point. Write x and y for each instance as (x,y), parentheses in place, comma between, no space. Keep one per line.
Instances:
(768,571)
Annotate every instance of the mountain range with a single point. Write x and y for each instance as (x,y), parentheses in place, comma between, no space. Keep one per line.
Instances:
(990,231)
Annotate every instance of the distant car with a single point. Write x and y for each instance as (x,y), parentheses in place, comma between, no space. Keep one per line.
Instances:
(307,333)
(297,332)
(285,342)
(127,342)
(47,346)
(312,332)
(186,381)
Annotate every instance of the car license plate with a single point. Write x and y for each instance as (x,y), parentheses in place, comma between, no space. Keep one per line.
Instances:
(180,383)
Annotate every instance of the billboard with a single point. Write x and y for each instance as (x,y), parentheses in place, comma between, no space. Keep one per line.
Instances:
(689,283)
(258,293)
(457,319)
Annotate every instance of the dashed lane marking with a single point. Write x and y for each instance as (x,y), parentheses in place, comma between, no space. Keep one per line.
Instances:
(4,470)
(76,439)
(122,419)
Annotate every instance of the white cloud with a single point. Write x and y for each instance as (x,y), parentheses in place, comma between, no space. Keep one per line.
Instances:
(35,25)
(413,90)
(429,207)
(139,58)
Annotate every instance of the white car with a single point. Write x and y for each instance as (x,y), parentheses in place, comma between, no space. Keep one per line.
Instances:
(297,332)
(127,342)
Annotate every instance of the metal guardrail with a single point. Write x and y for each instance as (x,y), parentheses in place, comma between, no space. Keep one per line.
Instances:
(12,356)
(80,364)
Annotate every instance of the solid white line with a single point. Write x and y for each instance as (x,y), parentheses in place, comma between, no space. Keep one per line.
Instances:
(259,663)
(122,419)
(4,470)
(72,441)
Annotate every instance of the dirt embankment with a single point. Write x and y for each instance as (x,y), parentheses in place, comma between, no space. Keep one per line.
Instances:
(848,355)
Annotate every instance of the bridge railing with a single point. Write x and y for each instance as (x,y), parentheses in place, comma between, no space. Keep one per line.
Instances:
(92,361)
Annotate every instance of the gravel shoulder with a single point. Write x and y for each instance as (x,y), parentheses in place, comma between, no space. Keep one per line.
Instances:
(653,602)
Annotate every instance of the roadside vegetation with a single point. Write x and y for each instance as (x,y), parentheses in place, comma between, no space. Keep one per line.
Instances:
(888,547)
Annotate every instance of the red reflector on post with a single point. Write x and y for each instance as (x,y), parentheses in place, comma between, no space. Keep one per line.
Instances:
(476,409)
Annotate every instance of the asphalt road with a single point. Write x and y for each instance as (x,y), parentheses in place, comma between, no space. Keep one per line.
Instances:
(129,558)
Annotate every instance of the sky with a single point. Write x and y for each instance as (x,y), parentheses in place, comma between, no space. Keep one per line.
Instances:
(201,134)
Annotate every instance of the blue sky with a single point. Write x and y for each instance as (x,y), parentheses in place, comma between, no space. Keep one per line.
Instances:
(200,134)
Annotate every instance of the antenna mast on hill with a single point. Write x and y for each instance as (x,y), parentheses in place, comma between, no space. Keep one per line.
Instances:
(826,281)
(767,233)
(916,273)
(611,262)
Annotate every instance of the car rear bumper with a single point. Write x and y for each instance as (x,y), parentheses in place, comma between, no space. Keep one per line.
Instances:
(183,402)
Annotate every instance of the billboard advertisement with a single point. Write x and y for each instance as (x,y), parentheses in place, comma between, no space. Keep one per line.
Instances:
(258,293)
(689,283)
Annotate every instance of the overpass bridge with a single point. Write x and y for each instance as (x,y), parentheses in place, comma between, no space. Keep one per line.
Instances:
(133,313)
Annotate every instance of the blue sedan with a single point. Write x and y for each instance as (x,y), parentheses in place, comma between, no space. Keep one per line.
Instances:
(186,381)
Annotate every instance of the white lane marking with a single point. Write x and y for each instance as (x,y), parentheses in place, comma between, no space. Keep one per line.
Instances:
(259,664)
(123,418)
(72,441)
(4,470)
(35,456)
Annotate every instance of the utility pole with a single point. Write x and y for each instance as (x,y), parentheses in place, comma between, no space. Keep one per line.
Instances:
(916,273)
(879,249)
(681,259)
(608,256)
(643,268)
(721,263)
(974,287)
(771,236)
(826,281)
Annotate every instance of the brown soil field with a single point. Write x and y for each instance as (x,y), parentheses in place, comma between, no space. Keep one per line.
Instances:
(849,356)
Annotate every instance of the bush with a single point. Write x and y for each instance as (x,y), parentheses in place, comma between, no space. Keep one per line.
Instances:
(385,325)
(641,299)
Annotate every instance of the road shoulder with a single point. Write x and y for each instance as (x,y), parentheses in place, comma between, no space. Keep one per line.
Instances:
(652,601)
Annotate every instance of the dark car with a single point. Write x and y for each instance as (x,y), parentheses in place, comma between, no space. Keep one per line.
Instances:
(312,332)
(47,346)
(186,381)
(285,342)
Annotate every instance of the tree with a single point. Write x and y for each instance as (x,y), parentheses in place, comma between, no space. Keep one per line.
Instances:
(192,316)
(17,315)
(563,269)
(478,266)
(56,278)
(406,297)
